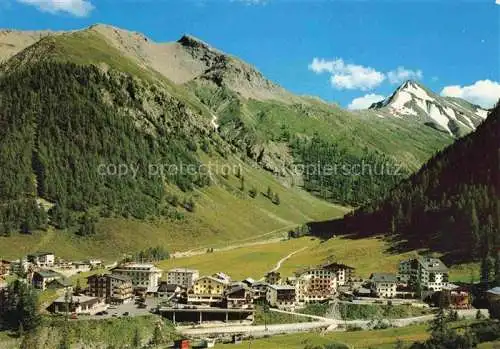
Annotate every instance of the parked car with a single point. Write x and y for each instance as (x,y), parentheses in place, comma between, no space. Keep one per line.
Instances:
(142,305)
(73,316)
(126,313)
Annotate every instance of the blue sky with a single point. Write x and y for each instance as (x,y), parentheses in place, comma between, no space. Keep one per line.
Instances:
(362,48)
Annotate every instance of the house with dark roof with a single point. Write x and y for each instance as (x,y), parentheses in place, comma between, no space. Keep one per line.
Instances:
(431,273)
(168,290)
(239,296)
(57,284)
(344,273)
(281,296)
(493,295)
(259,289)
(42,277)
(78,305)
(119,289)
(115,288)
(273,278)
(383,285)
(42,259)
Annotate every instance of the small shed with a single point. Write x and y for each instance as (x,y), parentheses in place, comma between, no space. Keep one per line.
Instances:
(182,344)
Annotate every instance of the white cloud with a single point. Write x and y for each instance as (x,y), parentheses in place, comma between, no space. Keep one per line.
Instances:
(365,102)
(348,76)
(402,74)
(497,2)
(79,8)
(483,92)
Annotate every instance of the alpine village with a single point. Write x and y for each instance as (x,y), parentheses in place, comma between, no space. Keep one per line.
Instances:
(169,195)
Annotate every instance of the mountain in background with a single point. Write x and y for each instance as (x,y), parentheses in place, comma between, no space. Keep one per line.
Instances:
(450,205)
(448,114)
(74,101)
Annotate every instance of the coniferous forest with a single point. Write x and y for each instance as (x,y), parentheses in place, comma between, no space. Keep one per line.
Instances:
(334,173)
(60,124)
(451,204)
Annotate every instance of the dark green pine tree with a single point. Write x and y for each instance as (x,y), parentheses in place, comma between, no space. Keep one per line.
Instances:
(486,269)
(438,327)
(136,339)
(242,183)
(157,335)
(28,308)
(474,224)
(269,193)
(399,344)
(276,199)
(497,268)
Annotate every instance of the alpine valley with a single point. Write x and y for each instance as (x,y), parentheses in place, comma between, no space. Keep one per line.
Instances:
(77,106)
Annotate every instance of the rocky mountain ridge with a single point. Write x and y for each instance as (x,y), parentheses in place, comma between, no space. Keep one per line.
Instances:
(412,100)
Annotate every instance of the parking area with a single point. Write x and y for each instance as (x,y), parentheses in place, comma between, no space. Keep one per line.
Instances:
(121,310)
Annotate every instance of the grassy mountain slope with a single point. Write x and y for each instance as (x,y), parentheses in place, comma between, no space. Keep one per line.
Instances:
(12,41)
(61,122)
(319,136)
(450,205)
(272,126)
(256,260)
(76,102)
(253,113)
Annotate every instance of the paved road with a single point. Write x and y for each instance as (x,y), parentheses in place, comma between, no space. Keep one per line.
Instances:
(314,317)
(255,330)
(324,325)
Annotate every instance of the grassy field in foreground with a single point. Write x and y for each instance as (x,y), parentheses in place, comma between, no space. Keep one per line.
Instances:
(366,255)
(380,339)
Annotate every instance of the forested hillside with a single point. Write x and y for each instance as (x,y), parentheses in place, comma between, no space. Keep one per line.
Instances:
(66,127)
(316,145)
(60,122)
(451,204)
(73,103)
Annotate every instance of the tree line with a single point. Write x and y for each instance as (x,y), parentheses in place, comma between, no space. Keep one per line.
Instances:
(451,204)
(59,122)
(336,174)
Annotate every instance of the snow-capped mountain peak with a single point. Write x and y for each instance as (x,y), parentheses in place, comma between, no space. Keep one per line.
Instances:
(452,115)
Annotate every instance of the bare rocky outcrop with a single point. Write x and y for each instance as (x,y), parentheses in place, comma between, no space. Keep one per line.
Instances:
(188,59)
(14,41)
